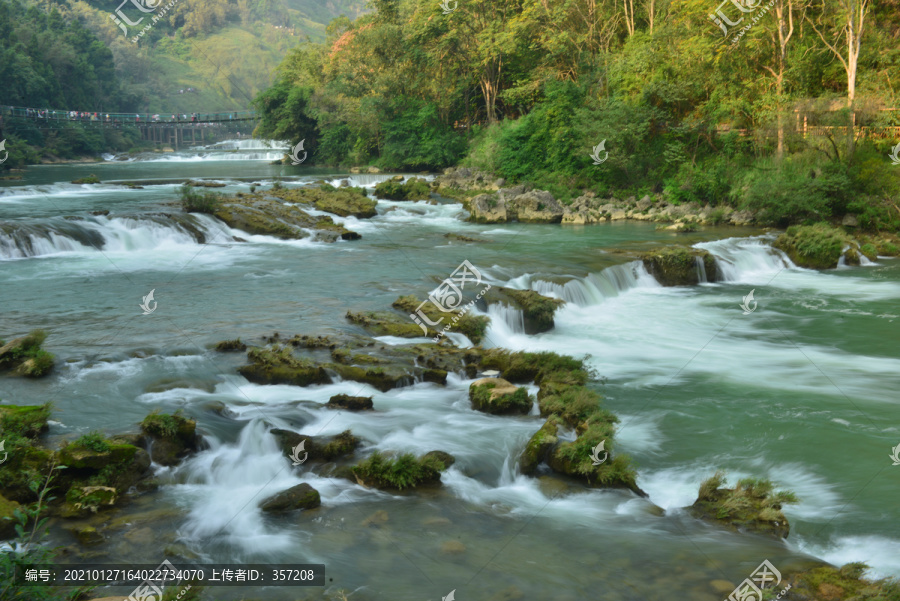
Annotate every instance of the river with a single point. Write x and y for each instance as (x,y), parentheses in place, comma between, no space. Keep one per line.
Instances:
(803,390)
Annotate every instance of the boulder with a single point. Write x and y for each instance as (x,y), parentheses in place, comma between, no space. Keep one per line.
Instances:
(499,397)
(539,446)
(487,208)
(319,448)
(277,365)
(350,403)
(680,266)
(302,496)
(446,458)
(536,206)
(537,310)
(169,438)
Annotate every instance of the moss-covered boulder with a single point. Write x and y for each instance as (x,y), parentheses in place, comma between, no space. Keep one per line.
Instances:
(343,202)
(350,403)
(93,452)
(752,505)
(399,473)
(535,367)
(25,355)
(25,465)
(537,309)
(381,378)
(169,438)
(539,446)
(89,499)
(445,458)
(230,346)
(814,246)
(680,266)
(473,326)
(28,421)
(383,323)
(830,583)
(319,448)
(278,365)
(8,519)
(499,397)
(413,189)
(302,496)
(262,215)
(88,179)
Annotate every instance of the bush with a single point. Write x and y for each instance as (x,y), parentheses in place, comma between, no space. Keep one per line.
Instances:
(194,201)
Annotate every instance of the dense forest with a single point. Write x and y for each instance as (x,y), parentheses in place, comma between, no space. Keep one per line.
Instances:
(526,90)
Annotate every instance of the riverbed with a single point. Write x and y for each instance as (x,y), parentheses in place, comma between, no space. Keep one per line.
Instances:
(802,390)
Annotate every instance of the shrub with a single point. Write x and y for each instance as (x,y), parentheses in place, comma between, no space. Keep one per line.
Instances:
(193,201)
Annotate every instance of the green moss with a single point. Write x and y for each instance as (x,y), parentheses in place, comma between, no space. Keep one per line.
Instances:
(95,441)
(535,367)
(869,251)
(813,246)
(677,265)
(413,189)
(27,354)
(340,201)
(518,401)
(539,445)
(162,425)
(342,444)
(827,583)
(752,504)
(90,179)
(228,346)
(473,326)
(404,471)
(29,421)
(385,324)
(277,365)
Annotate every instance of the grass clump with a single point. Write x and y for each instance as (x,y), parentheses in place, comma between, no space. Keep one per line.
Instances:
(753,504)
(162,425)
(194,201)
(26,421)
(94,441)
(404,471)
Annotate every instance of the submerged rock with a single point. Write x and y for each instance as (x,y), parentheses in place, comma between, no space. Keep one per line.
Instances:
(302,496)
(319,448)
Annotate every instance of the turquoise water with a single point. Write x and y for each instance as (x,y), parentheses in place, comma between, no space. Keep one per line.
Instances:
(802,391)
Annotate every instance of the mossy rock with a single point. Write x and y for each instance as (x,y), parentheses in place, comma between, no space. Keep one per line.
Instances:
(277,365)
(385,324)
(230,346)
(413,189)
(343,202)
(78,456)
(319,448)
(535,367)
(829,583)
(25,355)
(473,326)
(257,214)
(445,458)
(814,246)
(302,496)
(380,378)
(350,403)
(537,310)
(26,464)
(752,505)
(82,501)
(96,461)
(170,437)
(90,179)
(499,397)
(679,266)
(28,421)
(539,446)
(7,518)
(399,473)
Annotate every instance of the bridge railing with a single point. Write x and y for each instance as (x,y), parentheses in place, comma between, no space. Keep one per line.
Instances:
(44,115)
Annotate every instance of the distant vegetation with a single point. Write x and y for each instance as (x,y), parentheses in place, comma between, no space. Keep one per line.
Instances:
(526,90)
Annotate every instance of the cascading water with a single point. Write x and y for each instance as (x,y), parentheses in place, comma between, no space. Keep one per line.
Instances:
(746,259)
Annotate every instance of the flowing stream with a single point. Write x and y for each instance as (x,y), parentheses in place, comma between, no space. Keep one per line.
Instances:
(803,390)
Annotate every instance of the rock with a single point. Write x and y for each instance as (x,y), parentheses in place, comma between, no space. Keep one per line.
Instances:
(446,458)
(453,547)
(319,448)
(373,170)
(344,202)
(397,178)
(499,397)
(539,446)
(680,266)
(230,346)
(643,204)
(536,206)
(381,323)
(487,208)
(80,457)
(537,310)
(350,403)
(7,518)
(170,438)
(277,365)
(302,496)
(751,505)
(87,535)
(378,518)
(813,246)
